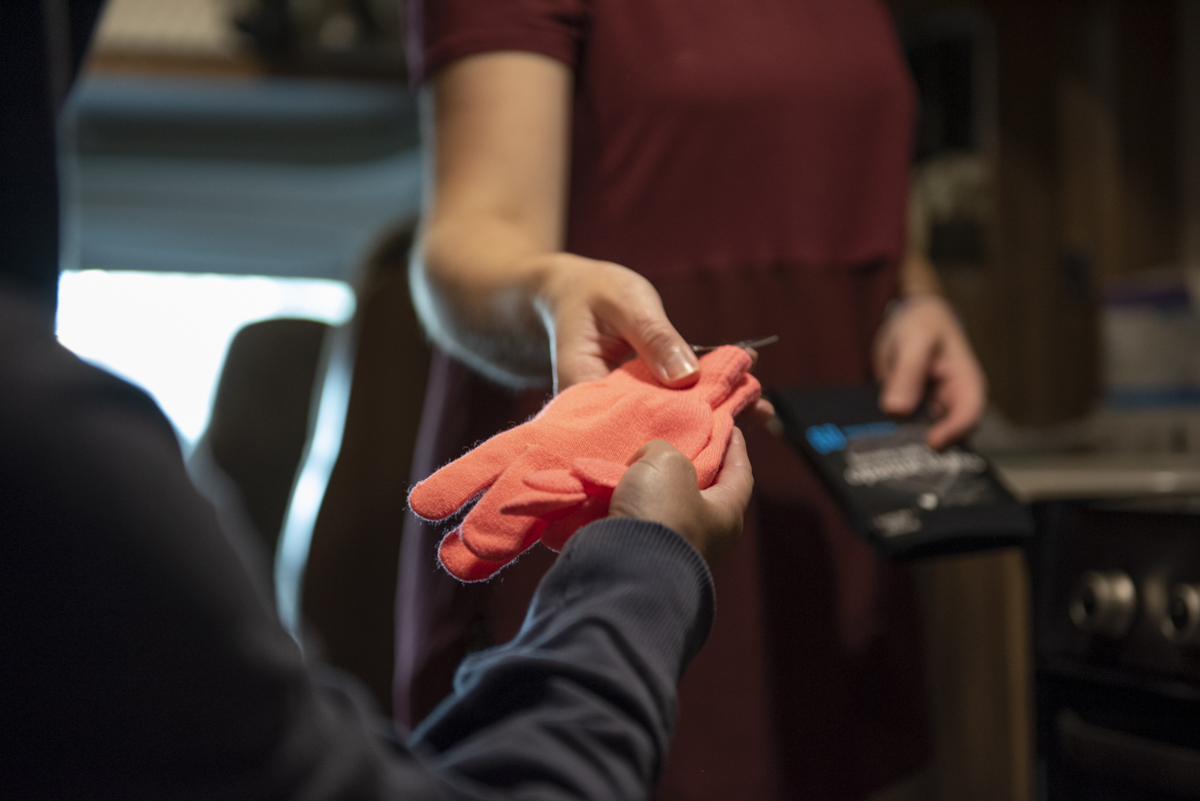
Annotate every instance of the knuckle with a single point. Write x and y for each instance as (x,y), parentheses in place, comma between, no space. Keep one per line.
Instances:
(657,333)
(674,461)
(676,457)
(632,307)
(620,284)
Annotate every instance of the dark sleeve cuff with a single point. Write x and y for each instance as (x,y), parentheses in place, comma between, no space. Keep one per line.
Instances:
(660,583)
(449,30)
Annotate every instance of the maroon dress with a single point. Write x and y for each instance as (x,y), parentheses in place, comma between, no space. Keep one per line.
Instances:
(751,159)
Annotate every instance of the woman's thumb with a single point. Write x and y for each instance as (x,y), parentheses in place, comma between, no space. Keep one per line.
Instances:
(663,349)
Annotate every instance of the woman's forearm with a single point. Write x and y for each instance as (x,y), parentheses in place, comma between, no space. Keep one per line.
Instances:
(498,150)
(476,284)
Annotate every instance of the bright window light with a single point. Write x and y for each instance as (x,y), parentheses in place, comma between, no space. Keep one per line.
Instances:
(168,332)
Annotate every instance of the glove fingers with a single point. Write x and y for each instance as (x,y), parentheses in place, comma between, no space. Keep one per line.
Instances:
(453,486)
(498,537)
(592,477)
(742,396)
(720,373)
(495,536)
(461,563)
(560,481)
(559,531)
(539,503)
(598,473)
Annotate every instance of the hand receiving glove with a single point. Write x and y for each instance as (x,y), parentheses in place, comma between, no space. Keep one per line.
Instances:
(547,477)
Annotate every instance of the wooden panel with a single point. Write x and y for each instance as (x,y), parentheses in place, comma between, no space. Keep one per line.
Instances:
(1189,134)
(975,613)
(1149,121)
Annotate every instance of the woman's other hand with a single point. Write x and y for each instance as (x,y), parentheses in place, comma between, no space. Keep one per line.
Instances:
(921,347)
(660,486)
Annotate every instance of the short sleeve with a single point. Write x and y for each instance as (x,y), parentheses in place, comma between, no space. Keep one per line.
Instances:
(446,30)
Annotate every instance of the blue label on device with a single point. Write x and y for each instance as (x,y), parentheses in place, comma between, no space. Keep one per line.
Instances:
(883,428)
(826,438)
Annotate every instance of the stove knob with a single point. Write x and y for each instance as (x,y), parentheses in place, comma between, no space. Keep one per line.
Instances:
(1104,603)
(1182,621)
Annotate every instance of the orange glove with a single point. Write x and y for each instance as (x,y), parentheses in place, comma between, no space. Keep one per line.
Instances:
(570,499)
(525,473)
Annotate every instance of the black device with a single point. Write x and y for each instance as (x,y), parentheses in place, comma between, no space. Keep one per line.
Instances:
(905,498)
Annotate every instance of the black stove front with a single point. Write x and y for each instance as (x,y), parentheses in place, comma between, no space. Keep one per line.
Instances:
(1117,645)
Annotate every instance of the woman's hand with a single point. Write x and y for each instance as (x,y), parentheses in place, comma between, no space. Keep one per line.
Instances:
(599,314)
(660,486)
(922,346)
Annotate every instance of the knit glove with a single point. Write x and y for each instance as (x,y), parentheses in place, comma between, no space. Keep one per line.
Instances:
(570,499)
(535,478)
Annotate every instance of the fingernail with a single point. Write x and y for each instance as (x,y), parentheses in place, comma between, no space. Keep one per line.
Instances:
(680,365)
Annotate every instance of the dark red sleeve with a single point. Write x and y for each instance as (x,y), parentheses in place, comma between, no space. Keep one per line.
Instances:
(453,29)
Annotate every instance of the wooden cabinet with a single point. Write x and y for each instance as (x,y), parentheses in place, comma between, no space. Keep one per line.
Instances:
(1078,112)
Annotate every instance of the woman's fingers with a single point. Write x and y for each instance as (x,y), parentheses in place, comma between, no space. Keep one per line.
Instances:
(962,393)
(581,352)
(630,307)
(761,411)
(601,313)
(906,371)
(922,347)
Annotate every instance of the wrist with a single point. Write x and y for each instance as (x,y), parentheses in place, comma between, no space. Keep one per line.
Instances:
(550,277)
(912,299)
(922,309)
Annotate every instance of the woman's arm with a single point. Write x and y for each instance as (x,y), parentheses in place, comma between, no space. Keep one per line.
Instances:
(490,279)
(921,349)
